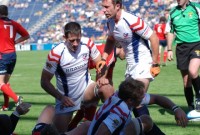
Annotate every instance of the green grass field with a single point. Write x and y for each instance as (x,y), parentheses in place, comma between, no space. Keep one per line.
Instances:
(25,81)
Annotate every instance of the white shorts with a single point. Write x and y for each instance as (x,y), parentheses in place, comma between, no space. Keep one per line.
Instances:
(62,110)
(140,70)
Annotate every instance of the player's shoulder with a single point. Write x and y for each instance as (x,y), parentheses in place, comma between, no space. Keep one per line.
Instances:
(128,15)
(197,5)
(120,105)
(87,41)
(58,49)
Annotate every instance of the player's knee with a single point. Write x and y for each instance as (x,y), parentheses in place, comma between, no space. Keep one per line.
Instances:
(105,91)
(147,122)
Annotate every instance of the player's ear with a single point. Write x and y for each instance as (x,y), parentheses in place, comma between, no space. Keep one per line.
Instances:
(64,37)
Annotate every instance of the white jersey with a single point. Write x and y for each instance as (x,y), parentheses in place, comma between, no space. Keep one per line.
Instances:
(115,114)
(71,68)
(133,34)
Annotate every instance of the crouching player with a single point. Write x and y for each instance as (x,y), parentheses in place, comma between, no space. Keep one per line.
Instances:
(88,112)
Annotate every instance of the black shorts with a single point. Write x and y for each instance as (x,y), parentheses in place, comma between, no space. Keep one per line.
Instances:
(185,52)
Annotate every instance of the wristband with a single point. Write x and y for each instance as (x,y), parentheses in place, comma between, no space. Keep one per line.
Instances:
(155,65)
(169,50)
(174,108)
(16,113)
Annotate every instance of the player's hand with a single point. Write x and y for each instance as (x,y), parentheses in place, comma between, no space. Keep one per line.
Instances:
(170,55)
(66,102)
(102,81)
(155,70)
(101,67)
(180,117)
(23,108)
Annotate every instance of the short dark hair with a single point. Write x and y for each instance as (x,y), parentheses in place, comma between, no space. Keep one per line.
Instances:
(162,19)
(72,27)
(3,10)
(117,2)
(130,88)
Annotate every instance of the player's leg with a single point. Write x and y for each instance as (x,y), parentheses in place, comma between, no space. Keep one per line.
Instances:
(6,102)
(47,115)
(62,121)
(76,119)
(44,123)
(139,125)
(82,129)
(194,73)
(93,92)
(188,91)
(7,64)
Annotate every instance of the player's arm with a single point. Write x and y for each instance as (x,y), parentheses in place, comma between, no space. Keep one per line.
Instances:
(21,39)
(21,109)
(109,46)
(46,84)
(22,32)
(170,39)
(154,47)
(103,130)
(166,103)
(120,53)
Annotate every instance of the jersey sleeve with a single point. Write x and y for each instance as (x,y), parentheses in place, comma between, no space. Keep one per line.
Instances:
(138,26)
(52,61)
(146,99)
(20,29)
(113,121)
(94,52)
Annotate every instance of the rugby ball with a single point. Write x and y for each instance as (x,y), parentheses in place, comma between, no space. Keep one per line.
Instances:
(193,115)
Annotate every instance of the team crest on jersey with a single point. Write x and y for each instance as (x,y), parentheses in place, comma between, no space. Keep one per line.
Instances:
(190,14)
(84,56)
(115,123)
(48,65)
(125,35)
(197,52)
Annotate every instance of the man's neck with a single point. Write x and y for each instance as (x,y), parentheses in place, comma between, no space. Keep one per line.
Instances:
(118,16)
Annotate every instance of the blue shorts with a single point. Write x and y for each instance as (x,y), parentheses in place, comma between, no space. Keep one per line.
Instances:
(163,43)
(7,63)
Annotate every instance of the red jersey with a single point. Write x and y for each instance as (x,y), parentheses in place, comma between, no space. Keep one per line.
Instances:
(160,30)
(110,62)
(111,58)
(9,29)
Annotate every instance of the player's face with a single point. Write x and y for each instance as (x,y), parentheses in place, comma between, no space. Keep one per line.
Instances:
(109,8)
(73,41)
(182,3)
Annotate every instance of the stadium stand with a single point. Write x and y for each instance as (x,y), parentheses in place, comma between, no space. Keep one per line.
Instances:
(44,19)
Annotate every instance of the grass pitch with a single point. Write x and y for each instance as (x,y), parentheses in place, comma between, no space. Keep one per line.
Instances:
(25,81)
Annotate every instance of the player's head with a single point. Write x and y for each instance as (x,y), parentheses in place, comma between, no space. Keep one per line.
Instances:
(131,91)
(3,10)
(5,124)
(166,13)
(182,3)
(72,34)
(111,7)
(162,19)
